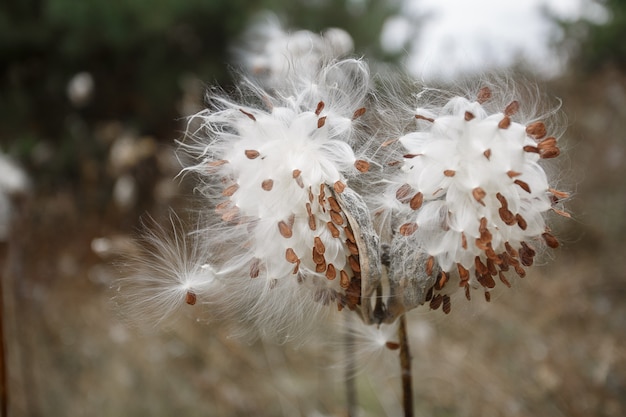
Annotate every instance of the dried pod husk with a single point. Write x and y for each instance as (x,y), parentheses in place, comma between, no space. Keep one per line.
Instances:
(368,243)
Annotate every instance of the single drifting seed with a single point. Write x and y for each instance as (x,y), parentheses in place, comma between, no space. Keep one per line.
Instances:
(267,185)
(250,115)
(536,130)
(407,229)
(319,108)
(361,165)
(484,94)
(358,113)
(252,154)
(190,298)
(321,122)
(285,230)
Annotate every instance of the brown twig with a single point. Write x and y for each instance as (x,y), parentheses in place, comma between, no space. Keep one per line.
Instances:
(405,366)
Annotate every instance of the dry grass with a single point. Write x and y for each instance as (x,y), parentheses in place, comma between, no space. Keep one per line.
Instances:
(551,346)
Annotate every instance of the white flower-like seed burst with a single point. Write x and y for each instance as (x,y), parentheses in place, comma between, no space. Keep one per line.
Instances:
(271,175)
(471,193)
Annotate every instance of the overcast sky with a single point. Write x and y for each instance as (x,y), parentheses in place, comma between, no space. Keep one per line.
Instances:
(469,35)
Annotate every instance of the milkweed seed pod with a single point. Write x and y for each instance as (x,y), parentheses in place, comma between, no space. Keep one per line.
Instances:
(470,195)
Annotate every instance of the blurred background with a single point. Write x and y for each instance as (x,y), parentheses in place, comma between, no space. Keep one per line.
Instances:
(93,96)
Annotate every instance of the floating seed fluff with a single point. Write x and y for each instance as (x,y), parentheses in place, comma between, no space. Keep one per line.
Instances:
(472,193)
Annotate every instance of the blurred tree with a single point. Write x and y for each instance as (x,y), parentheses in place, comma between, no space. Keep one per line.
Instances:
(136,52)
(592,43)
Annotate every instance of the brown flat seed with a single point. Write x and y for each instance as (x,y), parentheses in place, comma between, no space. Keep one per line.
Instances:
(484,94)
(416,201)
(321,122)
(389,142)
(507,216)
(502,200)
(319,245)
(467,292)
(349,234)
(550,240)
(510,250)
(339,186)
(250,115)
(429,294)
(255,267)
(531,149)
(511,108)
(487,154)
(520,271)
(361,165)
(354,263)
(513,174)
(486,281)
(505,122)
(447,304)
(435,303)
(547,143)
(407,229)
(284,229)
(420,117)
(469,116)
(291,256)
(352,247)
(521,222)
(319,108)
(449,173)
(536,130)
(311,196)
(296,268)
(481,268)
(320,267)
(267,185)
(230,190)
(392,345)
(550,153)
(463,240)
(190,298)
(358,113)
(403,192)
(503,279)
(463,273)
(333,229)
(331,272)
(337,218)
(491,266)
(231,214)
(478,194)
(411,155)
(430,265)
(334,205)
(443,279)
(218,163)
(344,280)
(524,186)
(561,213)
(318,258)
(558,194)
(252,154)
(487,296)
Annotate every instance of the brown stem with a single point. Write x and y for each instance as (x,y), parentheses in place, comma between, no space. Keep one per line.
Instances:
(350,371)
(4,395)
(405,366)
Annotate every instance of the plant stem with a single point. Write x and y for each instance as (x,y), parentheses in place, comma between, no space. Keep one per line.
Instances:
(405,366)
(350,371)
(4,395)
